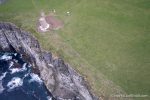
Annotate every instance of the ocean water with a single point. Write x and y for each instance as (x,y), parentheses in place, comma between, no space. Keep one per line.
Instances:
(17,80)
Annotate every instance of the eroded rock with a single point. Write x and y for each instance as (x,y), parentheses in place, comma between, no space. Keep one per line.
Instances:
(60,79)
(2,1)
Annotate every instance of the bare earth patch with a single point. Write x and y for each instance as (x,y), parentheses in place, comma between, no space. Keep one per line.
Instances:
(49,22)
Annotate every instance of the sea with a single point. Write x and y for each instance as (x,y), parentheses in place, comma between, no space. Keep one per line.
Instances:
(17,80)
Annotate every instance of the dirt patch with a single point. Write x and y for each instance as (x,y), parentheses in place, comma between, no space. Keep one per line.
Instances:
(49,22)
(54,22)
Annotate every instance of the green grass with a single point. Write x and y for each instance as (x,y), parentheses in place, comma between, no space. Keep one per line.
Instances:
(114,37)
(111,35)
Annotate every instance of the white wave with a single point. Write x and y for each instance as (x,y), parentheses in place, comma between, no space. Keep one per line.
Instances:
(36,78)
(6,57)
(15,54)
(25,75)
(49,98)
(2,76)
(15,70)
(11,64)
(15,82)
(1,87)
(15,60)
(24,66)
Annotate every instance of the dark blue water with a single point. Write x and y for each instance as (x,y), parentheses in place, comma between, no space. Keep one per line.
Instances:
(17,80)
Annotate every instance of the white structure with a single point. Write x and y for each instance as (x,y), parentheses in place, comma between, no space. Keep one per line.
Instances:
(54,10)
(43,24)
(68,12)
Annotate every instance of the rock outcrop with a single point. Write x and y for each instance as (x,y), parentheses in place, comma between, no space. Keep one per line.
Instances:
(60,79)
(2,1)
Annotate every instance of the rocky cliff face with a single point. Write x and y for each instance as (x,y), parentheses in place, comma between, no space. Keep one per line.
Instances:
(2,1)
(60,79)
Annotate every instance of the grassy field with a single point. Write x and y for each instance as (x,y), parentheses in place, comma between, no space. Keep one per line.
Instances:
(108,37)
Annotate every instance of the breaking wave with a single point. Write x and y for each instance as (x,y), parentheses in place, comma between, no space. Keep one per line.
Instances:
(17,80)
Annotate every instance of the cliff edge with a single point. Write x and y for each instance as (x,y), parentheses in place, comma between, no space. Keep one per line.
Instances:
(60,78)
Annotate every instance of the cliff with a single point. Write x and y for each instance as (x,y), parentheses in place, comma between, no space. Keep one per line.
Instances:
(60,78)
(2,1)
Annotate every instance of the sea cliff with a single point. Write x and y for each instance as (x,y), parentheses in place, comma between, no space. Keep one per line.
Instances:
(59,77)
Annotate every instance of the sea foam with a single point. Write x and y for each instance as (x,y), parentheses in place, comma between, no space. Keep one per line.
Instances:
(2,76)
(49,98)
(5,57)
(35,77)
(1,87)
(15,70)
(15,82)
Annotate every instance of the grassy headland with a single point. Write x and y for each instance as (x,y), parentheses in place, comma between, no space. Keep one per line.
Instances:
(103,37)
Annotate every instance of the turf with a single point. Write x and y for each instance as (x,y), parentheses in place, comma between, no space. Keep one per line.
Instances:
(111,35)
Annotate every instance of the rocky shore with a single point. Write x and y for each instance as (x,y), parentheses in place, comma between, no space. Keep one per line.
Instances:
(60,78)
